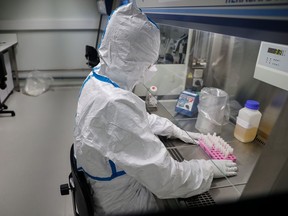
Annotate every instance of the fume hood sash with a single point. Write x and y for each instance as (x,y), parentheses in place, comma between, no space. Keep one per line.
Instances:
(265,20)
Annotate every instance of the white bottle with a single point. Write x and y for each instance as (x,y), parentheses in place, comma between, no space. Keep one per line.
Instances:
(151,98)
(247,123)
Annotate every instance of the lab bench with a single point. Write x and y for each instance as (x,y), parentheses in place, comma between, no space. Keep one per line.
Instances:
(224,189)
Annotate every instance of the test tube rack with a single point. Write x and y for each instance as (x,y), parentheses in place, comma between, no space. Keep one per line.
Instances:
(214,153)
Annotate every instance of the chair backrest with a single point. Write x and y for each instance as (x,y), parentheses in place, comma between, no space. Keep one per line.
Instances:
(92,56)
(82,195)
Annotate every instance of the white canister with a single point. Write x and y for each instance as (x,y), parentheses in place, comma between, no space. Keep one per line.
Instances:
(248,120)
(151,98)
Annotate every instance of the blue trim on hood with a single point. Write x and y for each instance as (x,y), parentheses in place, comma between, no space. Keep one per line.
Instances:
(104,79)
(99,77)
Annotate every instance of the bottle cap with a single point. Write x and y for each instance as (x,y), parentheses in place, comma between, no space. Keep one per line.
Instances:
(153,90)
(252,104)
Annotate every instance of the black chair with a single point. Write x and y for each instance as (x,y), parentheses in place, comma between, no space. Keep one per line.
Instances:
(82,195)
(92,56)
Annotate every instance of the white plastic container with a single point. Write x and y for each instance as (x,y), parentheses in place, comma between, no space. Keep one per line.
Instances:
(247,123)
(151,98)
(212,110)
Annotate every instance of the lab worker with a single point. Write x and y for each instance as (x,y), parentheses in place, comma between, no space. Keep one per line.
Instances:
(115,139)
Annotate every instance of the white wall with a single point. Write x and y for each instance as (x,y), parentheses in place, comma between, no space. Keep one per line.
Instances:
(53,50)
(52,34)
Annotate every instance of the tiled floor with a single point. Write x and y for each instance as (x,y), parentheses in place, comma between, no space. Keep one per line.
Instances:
(34,153)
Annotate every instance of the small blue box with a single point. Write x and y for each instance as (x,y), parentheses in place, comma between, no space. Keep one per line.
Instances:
(187,103)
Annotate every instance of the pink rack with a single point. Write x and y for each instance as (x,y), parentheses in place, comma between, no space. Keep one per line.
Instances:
(215,154)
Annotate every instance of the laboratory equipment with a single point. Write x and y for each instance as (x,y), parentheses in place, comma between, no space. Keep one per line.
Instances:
(197,82)
(272,64)
(235,40)
(216,147)
(187,103)
(248,121)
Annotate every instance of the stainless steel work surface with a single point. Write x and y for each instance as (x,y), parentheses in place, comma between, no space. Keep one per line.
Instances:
(226,194)
(247,154)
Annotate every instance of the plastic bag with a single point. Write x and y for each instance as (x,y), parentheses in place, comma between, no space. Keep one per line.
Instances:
(37,83)
(213,110)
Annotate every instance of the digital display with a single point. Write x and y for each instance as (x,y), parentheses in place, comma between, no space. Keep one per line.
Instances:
(272,64)
(276,51)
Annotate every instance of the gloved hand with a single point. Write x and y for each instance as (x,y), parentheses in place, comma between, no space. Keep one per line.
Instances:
(222,168)
(186,136)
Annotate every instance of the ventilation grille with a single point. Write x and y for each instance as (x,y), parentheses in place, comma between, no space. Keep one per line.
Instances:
(259,140)
(173,151)
(201,200)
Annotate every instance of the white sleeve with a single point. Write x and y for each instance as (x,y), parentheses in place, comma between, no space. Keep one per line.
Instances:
(134,147)
(162,126)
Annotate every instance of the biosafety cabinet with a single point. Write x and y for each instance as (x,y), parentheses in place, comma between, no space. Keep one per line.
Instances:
(240,47)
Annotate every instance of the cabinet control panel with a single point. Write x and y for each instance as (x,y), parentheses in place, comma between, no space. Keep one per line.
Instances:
(272,64)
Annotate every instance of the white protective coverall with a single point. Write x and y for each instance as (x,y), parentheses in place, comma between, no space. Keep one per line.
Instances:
(115,138)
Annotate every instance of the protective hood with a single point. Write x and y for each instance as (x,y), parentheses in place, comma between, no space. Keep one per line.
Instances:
(130,45)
